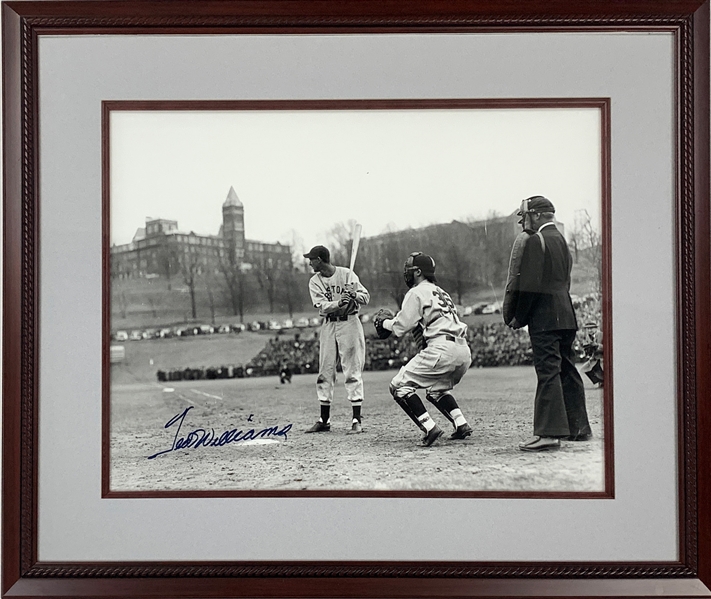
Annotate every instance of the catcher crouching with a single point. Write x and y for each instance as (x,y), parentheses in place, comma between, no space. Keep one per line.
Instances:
(428,311)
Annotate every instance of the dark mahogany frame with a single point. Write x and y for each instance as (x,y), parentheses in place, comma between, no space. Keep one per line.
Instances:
(24,576)
(600,104)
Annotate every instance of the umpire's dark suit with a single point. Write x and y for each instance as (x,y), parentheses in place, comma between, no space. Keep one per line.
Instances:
(544,305)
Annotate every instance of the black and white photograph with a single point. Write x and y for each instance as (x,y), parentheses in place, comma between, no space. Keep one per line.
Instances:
(362,298)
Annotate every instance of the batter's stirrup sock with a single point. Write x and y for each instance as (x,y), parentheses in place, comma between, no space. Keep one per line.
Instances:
(325,412)
(402,402)
(442,407)
(356,413)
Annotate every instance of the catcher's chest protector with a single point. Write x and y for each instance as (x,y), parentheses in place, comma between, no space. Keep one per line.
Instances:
(508,311)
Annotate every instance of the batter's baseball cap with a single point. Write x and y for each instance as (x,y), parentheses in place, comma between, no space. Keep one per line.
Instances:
(536,204)
(319,251)
(422,261)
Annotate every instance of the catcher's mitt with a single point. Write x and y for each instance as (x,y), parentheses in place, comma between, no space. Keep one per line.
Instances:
(380,316)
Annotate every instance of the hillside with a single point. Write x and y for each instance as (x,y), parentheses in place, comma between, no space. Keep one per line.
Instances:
(153,302)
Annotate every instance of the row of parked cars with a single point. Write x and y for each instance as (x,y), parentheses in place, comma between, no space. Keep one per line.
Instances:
(207,329)
(483,308)
(271,325)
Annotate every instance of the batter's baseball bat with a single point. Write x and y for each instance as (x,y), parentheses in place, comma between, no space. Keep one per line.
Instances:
(356,242)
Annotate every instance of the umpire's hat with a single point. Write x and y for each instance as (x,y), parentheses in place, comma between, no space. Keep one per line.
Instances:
(536,204)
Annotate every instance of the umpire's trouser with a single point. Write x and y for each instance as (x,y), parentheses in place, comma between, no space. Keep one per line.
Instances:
(559,408)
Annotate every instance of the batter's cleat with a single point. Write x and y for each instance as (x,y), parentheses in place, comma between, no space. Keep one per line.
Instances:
(432,436)
(319,427)
(356,428)
(462,432)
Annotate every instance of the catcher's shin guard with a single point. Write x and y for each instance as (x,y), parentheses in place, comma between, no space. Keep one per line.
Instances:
(406,407)
(445,403)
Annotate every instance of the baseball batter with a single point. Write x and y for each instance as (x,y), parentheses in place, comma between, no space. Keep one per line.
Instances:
(445,358)
(337,294)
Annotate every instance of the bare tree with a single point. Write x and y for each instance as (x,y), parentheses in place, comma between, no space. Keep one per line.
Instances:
(340,240)
(294,240)
(588,244)
(235,276)
(209,284)
(267,274)
(574,243)
(168,259)
(190,268)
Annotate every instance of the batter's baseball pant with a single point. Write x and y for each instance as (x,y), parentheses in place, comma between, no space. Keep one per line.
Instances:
(342,338)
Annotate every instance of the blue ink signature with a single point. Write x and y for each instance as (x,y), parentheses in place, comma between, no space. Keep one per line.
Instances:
(201,437)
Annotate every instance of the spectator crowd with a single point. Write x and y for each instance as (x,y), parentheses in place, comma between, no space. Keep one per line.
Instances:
(491,344)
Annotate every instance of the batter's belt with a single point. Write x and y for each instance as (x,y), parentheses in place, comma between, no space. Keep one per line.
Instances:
(338,317)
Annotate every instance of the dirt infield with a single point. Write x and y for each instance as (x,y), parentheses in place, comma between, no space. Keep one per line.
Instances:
(387,456)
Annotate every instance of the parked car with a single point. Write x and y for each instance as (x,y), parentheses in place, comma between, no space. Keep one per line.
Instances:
(467,311)
(165,333)
(121,336)
(135,336)
(223,328)
(274,325)
(315,322)
(239,327)
(254,326)
(494,308)
(479,308)
(302,323)
(287,324)
(205,329)
(364,317)
(149,334)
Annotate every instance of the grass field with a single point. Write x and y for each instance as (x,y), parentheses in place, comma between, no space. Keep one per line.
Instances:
(387,456)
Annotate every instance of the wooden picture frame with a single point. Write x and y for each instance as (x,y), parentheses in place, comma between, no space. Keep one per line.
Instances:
(24,575)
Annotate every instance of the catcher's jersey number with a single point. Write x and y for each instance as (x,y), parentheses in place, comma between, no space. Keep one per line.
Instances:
(445,303)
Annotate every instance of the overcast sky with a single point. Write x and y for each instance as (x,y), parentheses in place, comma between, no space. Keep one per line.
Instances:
(301,172)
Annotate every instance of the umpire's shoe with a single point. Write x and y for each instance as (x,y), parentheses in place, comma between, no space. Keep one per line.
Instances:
(319,427)
(462,432)
(540,444)
(432,436)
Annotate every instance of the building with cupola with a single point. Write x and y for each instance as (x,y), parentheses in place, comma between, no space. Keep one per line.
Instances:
(161,248)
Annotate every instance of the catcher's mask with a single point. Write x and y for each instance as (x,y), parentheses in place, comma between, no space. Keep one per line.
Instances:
(423,262)
(533,205)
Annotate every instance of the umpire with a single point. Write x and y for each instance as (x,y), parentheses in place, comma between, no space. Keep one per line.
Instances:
(544,305)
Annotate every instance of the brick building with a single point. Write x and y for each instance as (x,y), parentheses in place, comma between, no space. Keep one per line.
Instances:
(162,249)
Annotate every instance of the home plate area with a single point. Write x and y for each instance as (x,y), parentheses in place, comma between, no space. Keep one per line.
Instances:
(248,434)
